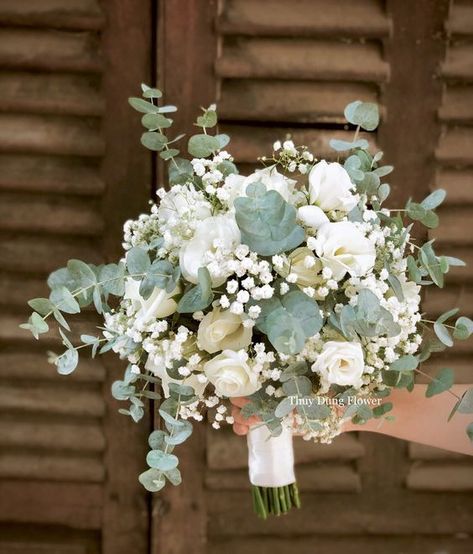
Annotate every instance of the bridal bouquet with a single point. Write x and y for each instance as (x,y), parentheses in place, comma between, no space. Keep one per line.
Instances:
(293,287)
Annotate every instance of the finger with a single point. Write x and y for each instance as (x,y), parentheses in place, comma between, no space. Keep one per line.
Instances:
(239,429)
(236,413)
(239,401)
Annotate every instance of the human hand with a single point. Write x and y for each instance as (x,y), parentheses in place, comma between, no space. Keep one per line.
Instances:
(241,425)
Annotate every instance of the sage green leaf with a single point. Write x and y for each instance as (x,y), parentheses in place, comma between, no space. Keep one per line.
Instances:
(454,262)
(396,287)
(431,263)
(382,409)
(309,407)
(413,269)
(227,168)
(465,405)
(368,318)
(137,261)
(38,323)
(161,274)
(443,382)
(121,390)
(202,146)
(60,319)
(153,140)
(434,199)
(383,170)
(293,370)
(41,305)
(415,211)
(208,119)
(63,300)
(179,434)
(149,92)
(174,476)
(198,297)
(143,106)
(298,386)
(84,278)
(177,390)
(154,121)
(156,440)
(267,222)
(364,114)
(442,333)
(463,328)
(169,153)
(223,140)
(406,363)
(343,145)
(284,407)
(161,460)
(180,171)
(352,166)
(167,109)
(152,480)
(112,279)
(67,362)
(384,191)
(136,412)
(289,321)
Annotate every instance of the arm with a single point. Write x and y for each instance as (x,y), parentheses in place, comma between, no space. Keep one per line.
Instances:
(417,418)
(424,420)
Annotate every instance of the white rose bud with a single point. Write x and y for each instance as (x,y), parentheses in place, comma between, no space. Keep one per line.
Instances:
(222,228)
(330,187)
(312,216)
(159,305)
(231,375)
(340,363)
(220,330)
(236,185)
(295,269)
(344,249)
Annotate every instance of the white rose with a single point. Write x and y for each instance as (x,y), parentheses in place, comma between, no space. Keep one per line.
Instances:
(220,330)
(231,375)
(308,274)
(344,249)
(410,290)
(312,216)
(216,232)
(330,187)
(159,305)
(160,371)
(270,177)
(340,363)
(176,203)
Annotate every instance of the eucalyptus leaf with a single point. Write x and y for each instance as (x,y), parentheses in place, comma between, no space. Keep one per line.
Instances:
(441,383)
(198,297)
(364,114)
(67,362)
(202,146)
(152,480)
(161,460)
(343,145)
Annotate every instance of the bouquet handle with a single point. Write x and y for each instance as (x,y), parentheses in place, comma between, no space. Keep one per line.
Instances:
(271,471)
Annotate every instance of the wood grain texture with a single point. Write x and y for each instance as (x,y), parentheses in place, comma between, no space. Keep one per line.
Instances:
(365,18)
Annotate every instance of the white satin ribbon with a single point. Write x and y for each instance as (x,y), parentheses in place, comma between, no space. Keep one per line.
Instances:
(270,459)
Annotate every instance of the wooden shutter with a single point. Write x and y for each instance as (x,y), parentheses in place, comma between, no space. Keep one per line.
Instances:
(290,67)
(434,469)
(71,171)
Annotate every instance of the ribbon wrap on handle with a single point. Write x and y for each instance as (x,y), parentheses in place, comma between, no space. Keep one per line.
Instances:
(270,459)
